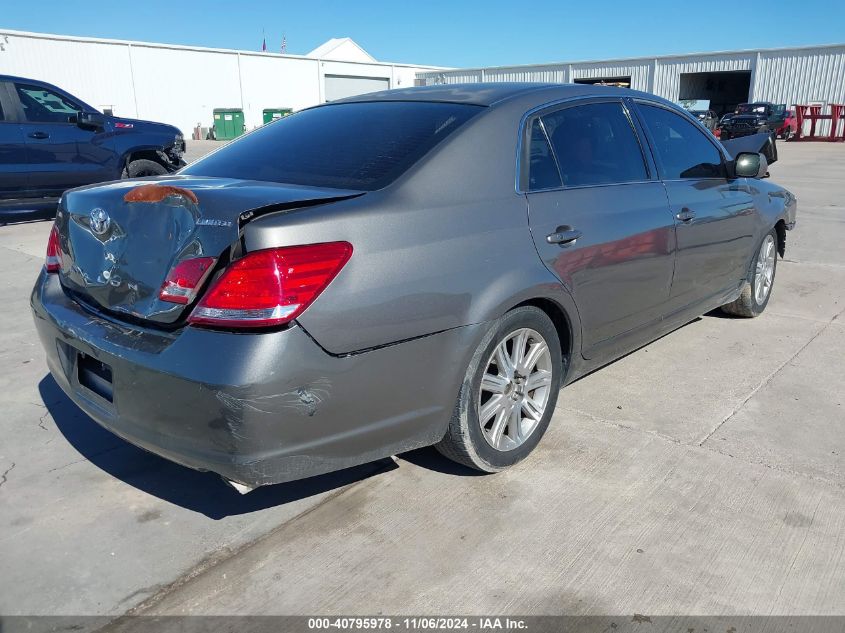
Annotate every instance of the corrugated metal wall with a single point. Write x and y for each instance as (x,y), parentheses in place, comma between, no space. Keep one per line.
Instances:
(792,77)
(813,74)
(180,85)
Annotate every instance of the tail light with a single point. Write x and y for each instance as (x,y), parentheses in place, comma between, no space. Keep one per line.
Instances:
(271,287)
(53,262)
(185,280)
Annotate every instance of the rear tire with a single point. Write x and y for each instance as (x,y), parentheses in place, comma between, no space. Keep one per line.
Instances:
(757,288)
(516,399)
(142,168)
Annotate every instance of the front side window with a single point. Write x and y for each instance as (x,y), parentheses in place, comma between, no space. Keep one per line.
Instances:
(45,106)
(682,147)
(594,145)
(365,145)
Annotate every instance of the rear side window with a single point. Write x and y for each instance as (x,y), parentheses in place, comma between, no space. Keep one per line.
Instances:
(682,148)
(595,145)
(41,105)
(348,145)
(543,172)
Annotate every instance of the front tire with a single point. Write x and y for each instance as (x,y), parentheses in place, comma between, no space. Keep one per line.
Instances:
(757,289)
(142,168)
(508,394)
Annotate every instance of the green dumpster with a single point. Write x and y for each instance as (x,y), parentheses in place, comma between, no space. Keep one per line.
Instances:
(228,123)
(271,114)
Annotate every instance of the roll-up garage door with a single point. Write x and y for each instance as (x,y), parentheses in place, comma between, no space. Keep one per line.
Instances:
(340,86)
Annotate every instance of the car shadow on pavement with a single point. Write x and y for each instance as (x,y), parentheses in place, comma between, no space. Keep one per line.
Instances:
(430,459)
(205,493)
(718,313)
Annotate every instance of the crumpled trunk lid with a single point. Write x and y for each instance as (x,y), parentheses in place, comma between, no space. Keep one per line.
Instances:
(761,142)
(120,240)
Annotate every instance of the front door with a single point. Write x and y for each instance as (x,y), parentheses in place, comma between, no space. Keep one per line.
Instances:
(600,221)
(716,216)
(61,154)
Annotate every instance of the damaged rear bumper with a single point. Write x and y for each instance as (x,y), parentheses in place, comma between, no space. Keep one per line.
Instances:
(256,408)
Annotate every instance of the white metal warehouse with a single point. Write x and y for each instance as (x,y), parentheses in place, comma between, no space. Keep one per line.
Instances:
(182,85)
(803,75)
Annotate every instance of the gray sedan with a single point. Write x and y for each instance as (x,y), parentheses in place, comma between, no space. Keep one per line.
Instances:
(407,268)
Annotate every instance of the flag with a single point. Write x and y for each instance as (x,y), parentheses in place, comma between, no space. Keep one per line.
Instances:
(264,45)
(284,44)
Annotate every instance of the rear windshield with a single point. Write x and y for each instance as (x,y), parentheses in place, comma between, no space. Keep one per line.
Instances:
(346,146)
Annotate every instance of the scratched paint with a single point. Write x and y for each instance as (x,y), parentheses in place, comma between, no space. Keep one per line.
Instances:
(304,400)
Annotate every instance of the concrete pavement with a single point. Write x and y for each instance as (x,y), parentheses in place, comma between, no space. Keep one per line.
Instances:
(702,474)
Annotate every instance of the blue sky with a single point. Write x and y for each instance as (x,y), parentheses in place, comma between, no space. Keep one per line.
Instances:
(469,33)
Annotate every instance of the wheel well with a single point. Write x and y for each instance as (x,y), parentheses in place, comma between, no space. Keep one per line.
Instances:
(780,229)
(561,321)
(145,154)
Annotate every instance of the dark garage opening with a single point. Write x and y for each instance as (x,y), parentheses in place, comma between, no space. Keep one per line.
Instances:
(724,90)
(622,82)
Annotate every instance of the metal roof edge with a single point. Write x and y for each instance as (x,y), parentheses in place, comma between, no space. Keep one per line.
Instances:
(649,58)
(207,49)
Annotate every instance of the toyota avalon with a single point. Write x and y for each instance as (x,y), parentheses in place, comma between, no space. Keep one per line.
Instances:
(424,266)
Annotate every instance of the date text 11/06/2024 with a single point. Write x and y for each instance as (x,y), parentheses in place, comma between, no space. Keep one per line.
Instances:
(418,623)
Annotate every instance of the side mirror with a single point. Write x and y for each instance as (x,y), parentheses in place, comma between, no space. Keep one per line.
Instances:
(91,120)
(749,165)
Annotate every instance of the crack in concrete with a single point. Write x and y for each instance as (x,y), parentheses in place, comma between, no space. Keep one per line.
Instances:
(779,469)
(712,449)
(4,478)
(41,421)
(621,425)
(769,378)
(213,560)
(85,459)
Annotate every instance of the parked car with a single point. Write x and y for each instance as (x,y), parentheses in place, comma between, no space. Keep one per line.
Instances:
(52,141)
(707,118)
(790,126)
(752,118)
(364,277)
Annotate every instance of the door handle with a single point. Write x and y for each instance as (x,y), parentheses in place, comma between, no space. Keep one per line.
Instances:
(563,235)
(38,135)
(686,215)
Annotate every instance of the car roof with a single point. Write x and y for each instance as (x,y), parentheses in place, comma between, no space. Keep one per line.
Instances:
(15,78)
(492,93)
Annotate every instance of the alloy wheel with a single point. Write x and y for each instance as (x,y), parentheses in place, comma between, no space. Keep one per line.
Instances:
(515,389)
(764,270)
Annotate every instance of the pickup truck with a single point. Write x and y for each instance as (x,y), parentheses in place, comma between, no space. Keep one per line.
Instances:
(51,141)
(752,118)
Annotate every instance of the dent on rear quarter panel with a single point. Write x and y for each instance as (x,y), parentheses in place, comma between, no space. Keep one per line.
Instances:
(446,246)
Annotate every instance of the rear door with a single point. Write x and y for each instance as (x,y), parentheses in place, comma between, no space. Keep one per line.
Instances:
(61,154)
(716,216)
(13,164)
(599,218)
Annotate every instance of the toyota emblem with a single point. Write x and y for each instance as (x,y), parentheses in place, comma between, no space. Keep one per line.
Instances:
(100,221)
